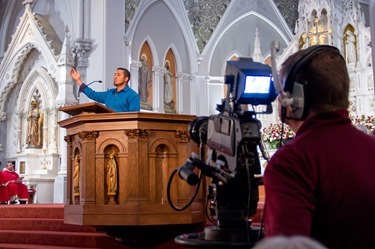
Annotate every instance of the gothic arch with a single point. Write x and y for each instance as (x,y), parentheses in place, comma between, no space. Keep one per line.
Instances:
(176,8)
(217,37)
(76,149)
(111,141)
(154,53)
(171,65)
(171,148)
(38,79)
(28,36)
(176,56)
(234,54)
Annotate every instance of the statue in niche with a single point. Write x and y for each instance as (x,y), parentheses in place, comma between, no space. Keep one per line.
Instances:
(350,49)
(111,175)
(34,126)
(168,85)
(76,175)
(144,80)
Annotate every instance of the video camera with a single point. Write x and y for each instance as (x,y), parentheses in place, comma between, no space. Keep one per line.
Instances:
(232,138)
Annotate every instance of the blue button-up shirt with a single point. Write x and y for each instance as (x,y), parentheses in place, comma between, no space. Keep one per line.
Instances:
(126,100)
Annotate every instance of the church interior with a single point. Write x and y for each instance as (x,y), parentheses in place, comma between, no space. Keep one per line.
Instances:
(114,169)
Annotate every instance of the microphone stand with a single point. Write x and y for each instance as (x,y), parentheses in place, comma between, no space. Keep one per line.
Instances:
(79,91)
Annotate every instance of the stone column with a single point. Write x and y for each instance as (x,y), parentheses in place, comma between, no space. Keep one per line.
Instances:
(134,70)
(158,88)
(19,131)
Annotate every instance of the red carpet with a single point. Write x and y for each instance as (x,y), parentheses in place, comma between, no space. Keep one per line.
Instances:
(42,226)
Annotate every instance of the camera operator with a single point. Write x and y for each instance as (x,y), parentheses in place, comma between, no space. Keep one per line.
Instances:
(321,184)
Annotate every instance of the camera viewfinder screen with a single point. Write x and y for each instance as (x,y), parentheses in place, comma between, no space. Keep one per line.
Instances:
(257,84)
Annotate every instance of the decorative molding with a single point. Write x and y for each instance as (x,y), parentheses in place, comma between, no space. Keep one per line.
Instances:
(66,58)
(81,49)
(183,136)
(137,133)
(88,135)
(135,64)
(289,10)
(183,77)
(130,7)
(204,17)
(68,139)
(159,71)
(3,116)
(127,41)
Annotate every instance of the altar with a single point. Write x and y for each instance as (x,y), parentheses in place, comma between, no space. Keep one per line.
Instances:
(119,165)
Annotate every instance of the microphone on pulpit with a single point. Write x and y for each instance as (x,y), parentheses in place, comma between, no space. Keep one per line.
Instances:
(92,82)
(99,81)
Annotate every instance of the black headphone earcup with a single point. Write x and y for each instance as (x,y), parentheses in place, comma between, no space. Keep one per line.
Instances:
(295,89)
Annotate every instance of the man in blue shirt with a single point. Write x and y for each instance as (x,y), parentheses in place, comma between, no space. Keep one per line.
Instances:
(120,99)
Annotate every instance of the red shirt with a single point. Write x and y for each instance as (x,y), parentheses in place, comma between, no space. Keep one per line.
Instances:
(322,184)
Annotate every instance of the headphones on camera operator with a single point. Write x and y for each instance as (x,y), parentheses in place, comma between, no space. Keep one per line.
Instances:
(292,89)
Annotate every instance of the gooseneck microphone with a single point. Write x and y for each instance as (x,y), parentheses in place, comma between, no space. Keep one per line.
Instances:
(92,82)
(99,81)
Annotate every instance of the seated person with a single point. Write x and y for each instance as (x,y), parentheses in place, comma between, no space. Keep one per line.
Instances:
(17,190)
(4,193)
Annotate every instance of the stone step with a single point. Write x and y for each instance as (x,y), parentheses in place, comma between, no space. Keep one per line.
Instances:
(46,224)
(56,238)
(55,211)
(35,246)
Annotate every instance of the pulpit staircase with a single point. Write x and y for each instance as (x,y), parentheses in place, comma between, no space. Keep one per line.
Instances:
(42,226)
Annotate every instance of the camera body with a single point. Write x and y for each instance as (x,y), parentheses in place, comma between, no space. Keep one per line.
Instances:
(233,137)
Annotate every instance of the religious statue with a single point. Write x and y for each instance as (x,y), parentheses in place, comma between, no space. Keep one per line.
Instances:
(33,135)
(76,175)
(111,175)
(168,85)
(350,50)
(144,79)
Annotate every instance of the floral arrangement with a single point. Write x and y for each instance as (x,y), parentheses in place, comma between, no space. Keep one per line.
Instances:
(364,120)
(272,134)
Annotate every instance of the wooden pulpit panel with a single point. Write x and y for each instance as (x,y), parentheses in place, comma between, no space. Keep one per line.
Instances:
(147,147)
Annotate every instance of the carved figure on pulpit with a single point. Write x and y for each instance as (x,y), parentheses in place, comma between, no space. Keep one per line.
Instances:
(34,123)
(350,49)
(112,175)
(76,175)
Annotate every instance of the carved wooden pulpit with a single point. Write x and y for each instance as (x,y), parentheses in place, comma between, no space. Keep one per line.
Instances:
(119,165)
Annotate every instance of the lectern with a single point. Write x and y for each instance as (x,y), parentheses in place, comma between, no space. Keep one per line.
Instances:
(119,165)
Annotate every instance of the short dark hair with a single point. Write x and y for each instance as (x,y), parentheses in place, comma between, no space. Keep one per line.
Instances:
(327,80)
(126,72)
(12,163)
